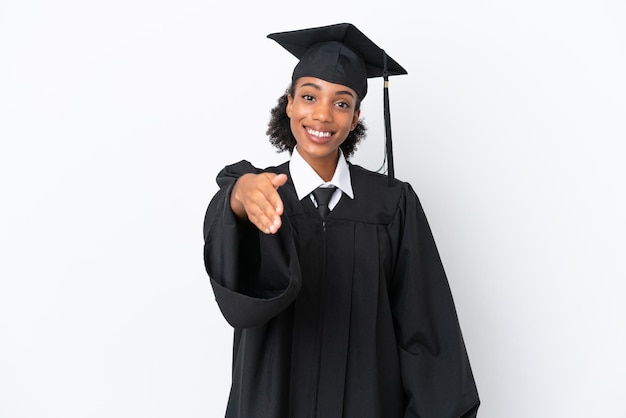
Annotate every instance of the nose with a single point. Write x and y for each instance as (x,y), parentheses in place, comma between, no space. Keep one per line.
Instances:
(323,111)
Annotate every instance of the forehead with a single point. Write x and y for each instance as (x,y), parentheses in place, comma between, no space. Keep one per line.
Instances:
(324,86)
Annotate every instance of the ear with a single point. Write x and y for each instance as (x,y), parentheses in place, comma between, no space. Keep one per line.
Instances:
(355,119)
(289,105)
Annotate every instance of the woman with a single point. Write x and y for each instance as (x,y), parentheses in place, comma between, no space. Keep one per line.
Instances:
(345,312)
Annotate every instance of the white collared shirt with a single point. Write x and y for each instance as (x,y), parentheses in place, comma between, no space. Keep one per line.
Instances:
(305,179)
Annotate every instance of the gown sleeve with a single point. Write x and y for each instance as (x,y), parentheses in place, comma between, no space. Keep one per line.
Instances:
(436,373)
(254,275)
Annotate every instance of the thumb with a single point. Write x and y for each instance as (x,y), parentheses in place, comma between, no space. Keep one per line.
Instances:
(279,180)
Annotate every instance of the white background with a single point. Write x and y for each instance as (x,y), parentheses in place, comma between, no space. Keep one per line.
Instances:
(116,116)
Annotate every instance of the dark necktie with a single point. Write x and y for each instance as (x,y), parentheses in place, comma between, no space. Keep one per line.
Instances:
(322,197)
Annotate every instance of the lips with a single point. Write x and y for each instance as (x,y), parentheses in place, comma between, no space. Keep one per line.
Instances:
(318,136)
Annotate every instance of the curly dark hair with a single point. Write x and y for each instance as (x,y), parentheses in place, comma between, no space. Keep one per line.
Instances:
(279,130)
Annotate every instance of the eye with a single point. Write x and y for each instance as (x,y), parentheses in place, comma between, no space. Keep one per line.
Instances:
(307,97)
(343,105)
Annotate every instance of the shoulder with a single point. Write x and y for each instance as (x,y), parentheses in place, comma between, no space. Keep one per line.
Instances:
(278,169)
(234,171)
(245,166)
(377,199)
(369,182)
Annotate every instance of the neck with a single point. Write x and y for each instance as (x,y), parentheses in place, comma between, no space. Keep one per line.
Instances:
(324,166)
(325,171)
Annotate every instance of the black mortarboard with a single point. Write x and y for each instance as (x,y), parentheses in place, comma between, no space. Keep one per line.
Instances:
(342,54)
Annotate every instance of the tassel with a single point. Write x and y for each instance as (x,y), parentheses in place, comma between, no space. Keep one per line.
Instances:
(387,115)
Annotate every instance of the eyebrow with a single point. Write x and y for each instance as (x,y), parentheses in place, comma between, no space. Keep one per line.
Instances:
(318,87)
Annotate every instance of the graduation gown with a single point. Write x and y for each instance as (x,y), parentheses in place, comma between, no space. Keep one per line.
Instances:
(351,319)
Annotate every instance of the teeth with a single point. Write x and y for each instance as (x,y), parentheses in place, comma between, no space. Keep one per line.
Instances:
(318,133)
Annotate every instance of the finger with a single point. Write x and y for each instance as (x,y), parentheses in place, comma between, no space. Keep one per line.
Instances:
(261,209)
(259,196)
(273,210)
(274,198)
(267,224)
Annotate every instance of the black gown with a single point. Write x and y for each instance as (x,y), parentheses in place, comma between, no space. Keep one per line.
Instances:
(354,319)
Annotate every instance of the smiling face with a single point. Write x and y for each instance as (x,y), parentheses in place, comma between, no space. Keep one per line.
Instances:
(321,114)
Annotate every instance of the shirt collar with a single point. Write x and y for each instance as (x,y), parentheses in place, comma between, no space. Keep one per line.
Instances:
(305,179)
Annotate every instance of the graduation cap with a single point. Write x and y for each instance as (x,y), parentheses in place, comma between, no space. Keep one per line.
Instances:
(342,54)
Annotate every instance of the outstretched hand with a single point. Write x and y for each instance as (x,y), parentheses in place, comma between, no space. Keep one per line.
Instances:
(255,197)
